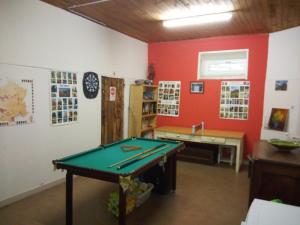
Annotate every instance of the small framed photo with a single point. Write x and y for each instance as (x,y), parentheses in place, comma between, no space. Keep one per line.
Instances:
(197,87)
(281,85)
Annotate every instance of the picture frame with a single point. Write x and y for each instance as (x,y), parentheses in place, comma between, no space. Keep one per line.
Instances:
(281,85)
(278,119)
(197,87)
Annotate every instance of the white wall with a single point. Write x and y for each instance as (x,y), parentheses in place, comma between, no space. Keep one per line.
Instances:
(41,36)
(283,64)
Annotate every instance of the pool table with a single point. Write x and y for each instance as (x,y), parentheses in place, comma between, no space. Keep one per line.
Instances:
(119,161)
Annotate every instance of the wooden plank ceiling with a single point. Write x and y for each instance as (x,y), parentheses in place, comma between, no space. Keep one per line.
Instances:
(142,19)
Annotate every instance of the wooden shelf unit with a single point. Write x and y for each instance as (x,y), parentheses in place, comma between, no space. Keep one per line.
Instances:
(142,110)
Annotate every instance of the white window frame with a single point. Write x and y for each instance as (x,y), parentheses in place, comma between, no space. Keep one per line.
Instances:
(223,57)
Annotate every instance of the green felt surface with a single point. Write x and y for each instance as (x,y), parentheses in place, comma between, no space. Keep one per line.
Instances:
(101,158)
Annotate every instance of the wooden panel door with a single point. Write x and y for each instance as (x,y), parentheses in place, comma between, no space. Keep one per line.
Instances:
(112,109)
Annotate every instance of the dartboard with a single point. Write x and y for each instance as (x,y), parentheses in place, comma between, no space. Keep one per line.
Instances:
(90,84)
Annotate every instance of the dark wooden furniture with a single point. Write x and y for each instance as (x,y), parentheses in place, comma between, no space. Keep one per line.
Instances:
(199,153)
(274,174)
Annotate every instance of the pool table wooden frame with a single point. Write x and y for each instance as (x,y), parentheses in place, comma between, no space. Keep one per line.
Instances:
(169,174)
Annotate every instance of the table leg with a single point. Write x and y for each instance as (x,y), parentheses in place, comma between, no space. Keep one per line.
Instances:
(122,206)
(174,171)
(232,153)
(219,153)
(69,198)
(239,156)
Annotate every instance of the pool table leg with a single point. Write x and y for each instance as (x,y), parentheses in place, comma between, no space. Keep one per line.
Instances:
(174,171)
(122,206)
(69,198)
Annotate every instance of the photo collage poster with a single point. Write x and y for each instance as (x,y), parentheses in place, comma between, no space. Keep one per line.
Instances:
(235,100)
(64,98)
(168,98)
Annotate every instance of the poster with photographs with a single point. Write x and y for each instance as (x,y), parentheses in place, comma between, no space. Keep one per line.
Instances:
(168,98)
(63,98)
(235,100)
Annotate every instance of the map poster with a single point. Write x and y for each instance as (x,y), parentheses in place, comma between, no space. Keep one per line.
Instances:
(63,98)
(16,101)
(168,98)
(234,102)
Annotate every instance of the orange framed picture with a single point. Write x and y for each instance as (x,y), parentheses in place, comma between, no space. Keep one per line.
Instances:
(278,119)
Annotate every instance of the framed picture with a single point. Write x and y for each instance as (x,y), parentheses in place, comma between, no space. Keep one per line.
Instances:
(281,85)
(197,87)
(278,119)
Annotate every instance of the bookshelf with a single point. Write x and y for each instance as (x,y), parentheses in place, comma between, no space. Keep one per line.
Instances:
(142,110)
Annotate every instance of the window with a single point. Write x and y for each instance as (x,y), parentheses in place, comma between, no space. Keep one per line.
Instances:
(231,64)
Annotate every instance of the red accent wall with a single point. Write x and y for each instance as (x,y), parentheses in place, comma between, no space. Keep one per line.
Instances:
(178,61)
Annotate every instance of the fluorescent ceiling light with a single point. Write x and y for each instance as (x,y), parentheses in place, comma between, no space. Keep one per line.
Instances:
(197,20)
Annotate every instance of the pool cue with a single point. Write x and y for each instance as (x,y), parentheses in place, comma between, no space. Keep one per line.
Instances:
(140,158)
(137,155)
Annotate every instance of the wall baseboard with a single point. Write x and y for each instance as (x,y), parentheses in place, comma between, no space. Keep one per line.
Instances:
(25,194)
